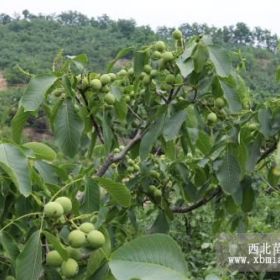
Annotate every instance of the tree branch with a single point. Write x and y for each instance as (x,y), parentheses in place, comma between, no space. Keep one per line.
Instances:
(218,191)
(118,157)
(185,209)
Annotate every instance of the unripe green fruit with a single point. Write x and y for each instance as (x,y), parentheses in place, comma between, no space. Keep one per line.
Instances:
(66,203)
(156,55)
(122,73)
(105,89)
(105,79)
(86,227)
(179,79)
(96,239)
(109,98)
(148,68)
(160,46)
(53,209)
(76,238)
(9,277)
(85,82)
(170,79)
(113,76)
(96,84)
(177,34)
(130,71)
(212,117)
(219,102)
(74,253)
(53,258)
(154,173)
(152,188)
(146,79)
(69,268)
(157,193)
(154,73)
(167,56)
(127,98)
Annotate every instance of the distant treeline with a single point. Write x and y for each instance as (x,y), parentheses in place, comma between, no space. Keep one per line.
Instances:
(32,41)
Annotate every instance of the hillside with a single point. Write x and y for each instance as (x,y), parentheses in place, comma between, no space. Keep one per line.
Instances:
(32,42)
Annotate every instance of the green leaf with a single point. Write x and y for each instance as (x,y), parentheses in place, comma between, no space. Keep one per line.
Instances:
(278,73)
(29,262)
(122,53)
(265,119)
(41,150)
(151,257)
(186,67)
(204,142)
(173,125)
(68,128)
(231,97)
(119,192)
(15,164)
(220,61)
(150,137)
(47,171)
(9,245)
(140,59)
(161,224)
(35,92)
(95,261)
(18,123)
(91,199)
(107,133)
(248,195)
(229,173)
(56,244)
(200,57)
(121,109)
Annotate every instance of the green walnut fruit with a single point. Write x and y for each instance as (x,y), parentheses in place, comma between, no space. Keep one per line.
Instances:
(96,239)
(177,34)
(170,79)
(153,73)
(157,193)
(86,227)
(53,209)
(146,79)
(160,46)
(155,174)
(148,68)
(113,76)
(167,56)
(212,117)
(69,268)
(122,73)
(105,79)
(152,188)
(156,55)
(66,203)
(219,102)
(74,253)
(77,238)
(109,98)
(130,71)
(53,258)
(96,84)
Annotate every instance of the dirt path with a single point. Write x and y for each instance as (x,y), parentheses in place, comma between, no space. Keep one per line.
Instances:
(3,82)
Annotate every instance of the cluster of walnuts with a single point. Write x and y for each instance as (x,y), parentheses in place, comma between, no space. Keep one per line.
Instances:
(84,236)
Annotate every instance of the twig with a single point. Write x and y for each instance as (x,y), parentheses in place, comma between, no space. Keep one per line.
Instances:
(201,202)
(118,157)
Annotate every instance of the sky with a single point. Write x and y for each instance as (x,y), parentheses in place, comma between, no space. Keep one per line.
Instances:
(158,13)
